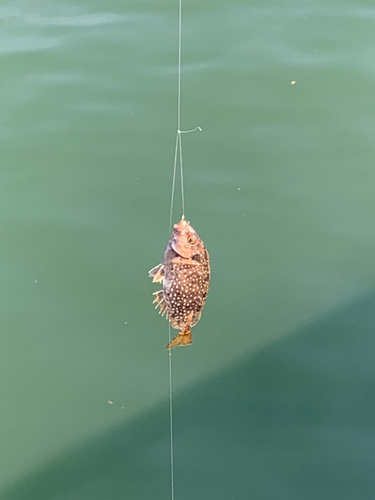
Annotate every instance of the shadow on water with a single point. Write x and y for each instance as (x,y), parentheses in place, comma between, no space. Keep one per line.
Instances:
(294,421)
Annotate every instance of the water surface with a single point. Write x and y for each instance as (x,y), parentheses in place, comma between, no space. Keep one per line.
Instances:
(274,398)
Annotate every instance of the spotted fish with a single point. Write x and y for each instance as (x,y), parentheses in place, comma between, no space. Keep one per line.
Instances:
(185,274)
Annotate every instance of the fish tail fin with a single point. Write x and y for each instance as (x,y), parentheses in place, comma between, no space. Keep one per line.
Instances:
(181,339)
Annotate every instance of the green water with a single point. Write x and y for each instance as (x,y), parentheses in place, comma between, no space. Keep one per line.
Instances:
(274,400)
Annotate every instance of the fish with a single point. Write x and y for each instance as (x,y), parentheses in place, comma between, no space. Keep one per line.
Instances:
(185,274)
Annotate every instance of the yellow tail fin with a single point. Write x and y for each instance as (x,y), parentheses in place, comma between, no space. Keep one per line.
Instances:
(180,339)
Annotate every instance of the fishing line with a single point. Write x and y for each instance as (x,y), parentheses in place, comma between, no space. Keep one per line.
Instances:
(171,441)
(177,159)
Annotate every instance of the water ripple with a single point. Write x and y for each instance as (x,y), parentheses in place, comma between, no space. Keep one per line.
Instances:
(26,44)
(78,20)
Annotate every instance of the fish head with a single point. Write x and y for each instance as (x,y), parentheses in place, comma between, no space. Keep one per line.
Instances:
(185,241)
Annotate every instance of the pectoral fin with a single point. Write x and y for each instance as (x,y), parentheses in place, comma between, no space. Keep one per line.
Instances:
(157,273)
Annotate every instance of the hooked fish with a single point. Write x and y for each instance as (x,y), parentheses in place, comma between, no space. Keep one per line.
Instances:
(185,274)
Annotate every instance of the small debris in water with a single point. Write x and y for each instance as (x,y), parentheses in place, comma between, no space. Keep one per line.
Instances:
(293,82)
(238,189)
(110,402)
(126,322)
(36,281)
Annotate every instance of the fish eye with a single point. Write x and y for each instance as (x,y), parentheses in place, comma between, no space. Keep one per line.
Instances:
(191,240)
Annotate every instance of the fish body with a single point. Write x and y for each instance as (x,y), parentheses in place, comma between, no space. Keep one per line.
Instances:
(185,274)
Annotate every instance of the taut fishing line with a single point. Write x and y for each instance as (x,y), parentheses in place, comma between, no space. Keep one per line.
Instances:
(177,159)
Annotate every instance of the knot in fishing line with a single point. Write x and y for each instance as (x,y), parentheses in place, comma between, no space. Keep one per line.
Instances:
(188,131)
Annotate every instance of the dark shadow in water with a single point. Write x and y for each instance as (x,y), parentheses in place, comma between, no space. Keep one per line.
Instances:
(296,421)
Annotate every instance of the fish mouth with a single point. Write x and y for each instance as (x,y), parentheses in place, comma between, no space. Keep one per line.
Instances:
(178,230)
(180,235)
(183,224)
